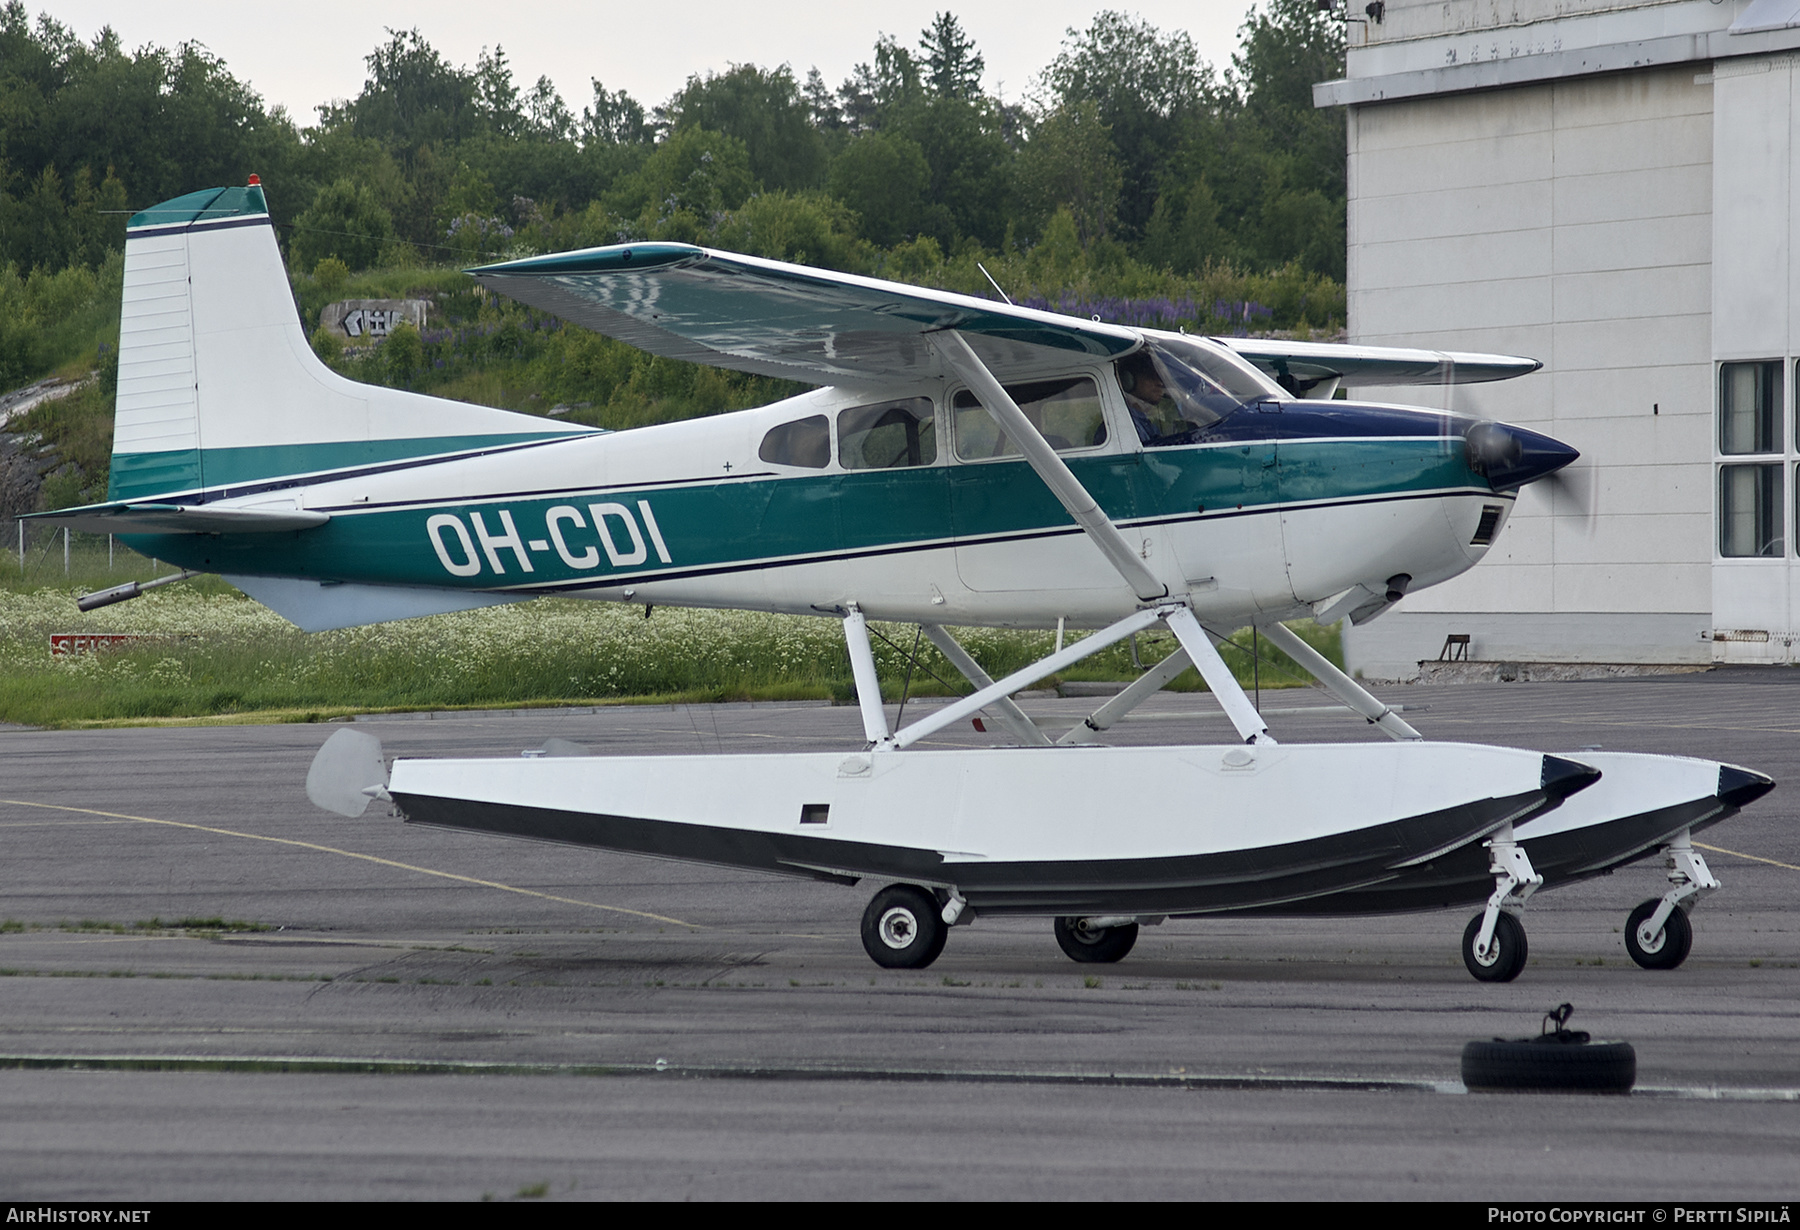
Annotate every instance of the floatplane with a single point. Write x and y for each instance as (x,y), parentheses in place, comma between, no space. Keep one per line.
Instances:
(962,462)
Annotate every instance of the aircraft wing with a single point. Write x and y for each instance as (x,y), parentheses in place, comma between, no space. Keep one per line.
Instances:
(125,518)
(790,321)
(1311,362)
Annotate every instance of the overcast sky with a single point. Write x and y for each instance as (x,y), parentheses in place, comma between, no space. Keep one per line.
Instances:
(301,55)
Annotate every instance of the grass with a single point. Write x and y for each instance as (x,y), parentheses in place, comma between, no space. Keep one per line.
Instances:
(210,654)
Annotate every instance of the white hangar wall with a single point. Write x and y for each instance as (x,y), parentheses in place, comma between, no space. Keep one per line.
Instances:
(1597,187)
(1755,288)
(1569,221)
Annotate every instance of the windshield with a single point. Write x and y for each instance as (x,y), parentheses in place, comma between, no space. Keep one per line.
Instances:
(1176,389)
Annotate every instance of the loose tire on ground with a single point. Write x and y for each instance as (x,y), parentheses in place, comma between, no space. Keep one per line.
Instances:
(1549,1063)
(903,928)
(1506,957)
(1098,945)
(1669,949)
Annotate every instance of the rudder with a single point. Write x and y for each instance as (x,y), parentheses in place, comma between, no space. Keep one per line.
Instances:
(218,385)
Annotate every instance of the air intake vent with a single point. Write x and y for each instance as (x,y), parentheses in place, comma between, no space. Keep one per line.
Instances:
(1490,521)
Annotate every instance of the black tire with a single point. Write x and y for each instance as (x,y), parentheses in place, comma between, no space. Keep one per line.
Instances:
(1510,949)
(903,928)
(1548,1063)
(1097,945)
(1670,948)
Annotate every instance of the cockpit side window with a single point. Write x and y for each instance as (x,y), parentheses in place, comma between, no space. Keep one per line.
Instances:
(804,442)
(1175,392)
(1067,411)
(892,435)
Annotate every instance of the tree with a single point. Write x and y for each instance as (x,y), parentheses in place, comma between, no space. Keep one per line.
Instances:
(821,105)
(883,178)
(953,67)
(413,97)
(115,127)
(547,118)
(971,167)
(807,228)
(496,97)
(1069,163)
(345,221)
(614,119)
(1145,85)
(1299,150)
(685,184)
(1286,46)
(763,109)
(871,97)
(1184,233)
(403,354)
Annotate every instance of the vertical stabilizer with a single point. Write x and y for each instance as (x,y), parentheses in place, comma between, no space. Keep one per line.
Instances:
(217,384)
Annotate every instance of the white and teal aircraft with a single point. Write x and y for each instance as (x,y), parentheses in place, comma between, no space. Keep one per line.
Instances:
(962,462)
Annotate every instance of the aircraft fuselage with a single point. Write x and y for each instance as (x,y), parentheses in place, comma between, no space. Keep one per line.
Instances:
(1284,505)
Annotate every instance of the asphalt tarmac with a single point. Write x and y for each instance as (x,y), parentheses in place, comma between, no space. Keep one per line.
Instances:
(432,1014)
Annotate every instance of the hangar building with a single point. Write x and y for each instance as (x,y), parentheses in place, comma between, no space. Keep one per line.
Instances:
(1609,186)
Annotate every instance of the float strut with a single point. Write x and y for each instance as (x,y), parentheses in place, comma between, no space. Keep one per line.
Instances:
(1339,684)
(868,686)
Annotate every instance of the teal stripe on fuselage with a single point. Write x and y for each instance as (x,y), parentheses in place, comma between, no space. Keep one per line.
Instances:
(140,475)
(1340,469)
(712,525)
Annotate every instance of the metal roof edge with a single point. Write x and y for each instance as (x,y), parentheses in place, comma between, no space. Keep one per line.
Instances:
(1552,66)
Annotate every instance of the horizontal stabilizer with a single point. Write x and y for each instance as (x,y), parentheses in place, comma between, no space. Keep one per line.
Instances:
(125,518)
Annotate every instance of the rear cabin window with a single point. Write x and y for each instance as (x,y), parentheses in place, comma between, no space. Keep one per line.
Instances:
(803,442)
(887,437)
(1067,411)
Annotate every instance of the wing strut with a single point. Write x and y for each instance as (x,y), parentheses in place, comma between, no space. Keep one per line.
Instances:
(1093,519)
(1056,475)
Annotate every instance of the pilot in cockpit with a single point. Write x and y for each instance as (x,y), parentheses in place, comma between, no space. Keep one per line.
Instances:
(1175,396)
(1153,411)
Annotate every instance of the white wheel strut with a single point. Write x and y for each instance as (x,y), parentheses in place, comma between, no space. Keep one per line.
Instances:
(1514,882)
(1690,880)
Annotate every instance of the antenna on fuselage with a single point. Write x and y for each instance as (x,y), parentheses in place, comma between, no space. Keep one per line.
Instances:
(994,284)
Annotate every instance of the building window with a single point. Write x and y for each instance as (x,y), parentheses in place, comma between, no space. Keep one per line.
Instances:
(1752,508)
(1750,511)
(1749,408)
